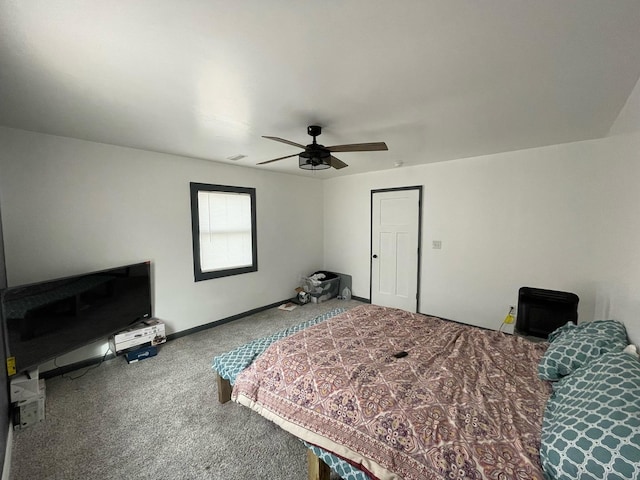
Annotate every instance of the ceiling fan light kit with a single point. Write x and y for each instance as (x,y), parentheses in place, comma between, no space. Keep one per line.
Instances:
(319,157)
(314,160)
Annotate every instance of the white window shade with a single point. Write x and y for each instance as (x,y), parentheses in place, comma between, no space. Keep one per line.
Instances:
(225,230)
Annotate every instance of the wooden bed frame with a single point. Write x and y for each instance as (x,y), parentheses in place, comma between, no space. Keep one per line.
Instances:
(224,389)
(316,470)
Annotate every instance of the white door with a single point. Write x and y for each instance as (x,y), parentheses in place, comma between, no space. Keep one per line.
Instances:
(395,233)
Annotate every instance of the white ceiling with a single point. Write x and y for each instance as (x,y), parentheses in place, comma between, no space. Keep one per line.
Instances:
(435,79)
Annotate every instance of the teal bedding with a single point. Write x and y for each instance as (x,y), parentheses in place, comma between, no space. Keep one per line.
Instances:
(230,364)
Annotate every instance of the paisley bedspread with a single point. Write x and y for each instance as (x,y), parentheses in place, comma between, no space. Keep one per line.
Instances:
(463,403)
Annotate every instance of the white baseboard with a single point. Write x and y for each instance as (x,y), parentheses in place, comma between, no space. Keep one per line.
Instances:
(6,470)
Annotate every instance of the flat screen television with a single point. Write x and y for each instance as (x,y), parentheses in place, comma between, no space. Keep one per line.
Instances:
(47,319)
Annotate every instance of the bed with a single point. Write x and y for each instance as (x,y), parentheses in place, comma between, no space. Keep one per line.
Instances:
(395,395)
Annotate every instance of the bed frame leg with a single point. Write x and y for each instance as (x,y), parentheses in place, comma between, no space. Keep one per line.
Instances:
(224,389)
(318,470)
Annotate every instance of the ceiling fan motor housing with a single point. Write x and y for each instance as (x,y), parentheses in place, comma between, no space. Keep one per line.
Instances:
(314,130)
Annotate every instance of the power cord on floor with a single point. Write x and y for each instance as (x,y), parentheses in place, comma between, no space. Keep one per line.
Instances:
(70,377)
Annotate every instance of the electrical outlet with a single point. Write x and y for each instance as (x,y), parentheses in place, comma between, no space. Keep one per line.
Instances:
(437,244)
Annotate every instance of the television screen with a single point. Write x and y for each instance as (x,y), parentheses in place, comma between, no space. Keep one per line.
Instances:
(47,319)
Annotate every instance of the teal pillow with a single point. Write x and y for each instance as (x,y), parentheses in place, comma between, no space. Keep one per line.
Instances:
(591,426)
(574,346)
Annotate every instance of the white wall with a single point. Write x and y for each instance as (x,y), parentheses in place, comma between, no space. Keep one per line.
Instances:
(628,120)
(70,206)
(563,217)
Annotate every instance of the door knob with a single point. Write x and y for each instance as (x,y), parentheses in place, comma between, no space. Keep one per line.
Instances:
(375,256)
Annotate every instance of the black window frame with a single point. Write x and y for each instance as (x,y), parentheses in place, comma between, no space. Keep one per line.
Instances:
(199,274)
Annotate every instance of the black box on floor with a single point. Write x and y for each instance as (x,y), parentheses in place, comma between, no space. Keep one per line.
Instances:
(141,353)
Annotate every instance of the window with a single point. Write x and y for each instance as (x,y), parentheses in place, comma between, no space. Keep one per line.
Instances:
(223,222)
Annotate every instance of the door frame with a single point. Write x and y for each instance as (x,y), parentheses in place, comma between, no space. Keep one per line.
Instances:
(397,189)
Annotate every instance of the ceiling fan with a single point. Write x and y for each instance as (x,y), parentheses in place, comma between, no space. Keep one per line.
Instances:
(319,157)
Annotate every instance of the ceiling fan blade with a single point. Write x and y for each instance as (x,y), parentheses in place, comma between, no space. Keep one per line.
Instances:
(282,140)
(276,159)
(337,164)
(359,147)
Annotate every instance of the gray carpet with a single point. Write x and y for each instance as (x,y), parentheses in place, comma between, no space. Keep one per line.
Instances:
(160,418)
